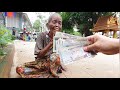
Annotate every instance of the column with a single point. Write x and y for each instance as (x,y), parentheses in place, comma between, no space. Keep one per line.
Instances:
(114,34)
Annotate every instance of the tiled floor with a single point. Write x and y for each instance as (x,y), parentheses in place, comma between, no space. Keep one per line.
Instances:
(101,66)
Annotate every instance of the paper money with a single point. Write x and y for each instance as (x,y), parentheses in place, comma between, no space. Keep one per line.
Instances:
(61,40)
(70,47)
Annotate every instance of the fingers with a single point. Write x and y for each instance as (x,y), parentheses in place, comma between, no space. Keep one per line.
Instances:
(91,39)
(89,48)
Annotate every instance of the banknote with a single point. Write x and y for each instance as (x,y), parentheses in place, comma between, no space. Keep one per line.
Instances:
(62,40)
(70,47)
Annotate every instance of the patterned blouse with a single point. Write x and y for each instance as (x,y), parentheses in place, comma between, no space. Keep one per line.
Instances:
(41,42)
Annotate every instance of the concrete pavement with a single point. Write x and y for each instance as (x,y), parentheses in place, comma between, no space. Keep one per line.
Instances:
(101,66)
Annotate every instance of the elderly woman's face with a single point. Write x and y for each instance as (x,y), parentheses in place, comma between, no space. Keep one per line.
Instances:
(55,24)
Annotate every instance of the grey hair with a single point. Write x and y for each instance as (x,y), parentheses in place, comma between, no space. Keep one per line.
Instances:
(57,14)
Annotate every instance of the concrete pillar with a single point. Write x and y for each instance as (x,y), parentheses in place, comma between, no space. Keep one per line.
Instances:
(114,34)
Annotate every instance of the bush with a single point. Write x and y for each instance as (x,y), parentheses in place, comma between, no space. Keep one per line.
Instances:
(2,52)
(13,37)
(5,38)
(70,31)
(77,33)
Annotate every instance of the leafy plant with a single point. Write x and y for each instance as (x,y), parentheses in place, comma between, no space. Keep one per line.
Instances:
(37,25)
(5,38)
(13,37)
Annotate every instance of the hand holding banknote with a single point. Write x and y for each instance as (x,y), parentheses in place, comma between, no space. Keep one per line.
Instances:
(100,43)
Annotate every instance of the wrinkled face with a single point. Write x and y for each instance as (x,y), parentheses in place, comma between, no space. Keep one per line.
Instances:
(55,23)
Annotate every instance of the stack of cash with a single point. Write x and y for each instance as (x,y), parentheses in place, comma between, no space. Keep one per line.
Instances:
(70,47)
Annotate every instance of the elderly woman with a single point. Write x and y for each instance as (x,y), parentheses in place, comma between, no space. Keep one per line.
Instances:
(44,42)
(44,65)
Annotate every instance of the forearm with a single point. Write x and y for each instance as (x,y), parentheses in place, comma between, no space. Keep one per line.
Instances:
(116,45)
(44,50)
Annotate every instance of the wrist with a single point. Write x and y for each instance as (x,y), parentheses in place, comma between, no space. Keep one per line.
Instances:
(116,45)
(50,44)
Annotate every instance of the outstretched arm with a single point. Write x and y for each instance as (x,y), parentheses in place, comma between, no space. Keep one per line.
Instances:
(100,43)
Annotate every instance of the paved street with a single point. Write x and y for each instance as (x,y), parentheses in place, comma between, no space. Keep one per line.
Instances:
(101,66)
(24,52)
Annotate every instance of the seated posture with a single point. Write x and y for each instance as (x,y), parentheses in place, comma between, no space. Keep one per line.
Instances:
(47,63)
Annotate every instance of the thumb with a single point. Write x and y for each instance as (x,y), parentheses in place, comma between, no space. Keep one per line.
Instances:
(89,48)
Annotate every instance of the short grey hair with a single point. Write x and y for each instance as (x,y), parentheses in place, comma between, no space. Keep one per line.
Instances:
(57,14)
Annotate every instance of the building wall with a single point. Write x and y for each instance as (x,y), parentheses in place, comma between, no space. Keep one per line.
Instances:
(26,23)
(18,21)
(2,19)
(13,21)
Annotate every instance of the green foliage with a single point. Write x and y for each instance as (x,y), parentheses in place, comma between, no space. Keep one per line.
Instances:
(36,25)
(72,32)
(77,33)
(83,20)
(13,37)
(66,20)
(69,31)
(5,38)
(2,52)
